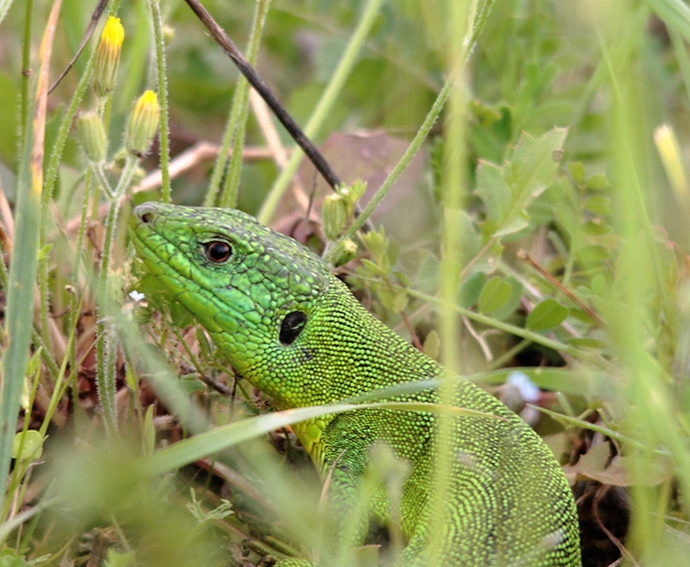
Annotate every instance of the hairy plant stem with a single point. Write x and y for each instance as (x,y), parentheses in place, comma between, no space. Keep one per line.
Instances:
(421,135)
(76,296)
(106,343)
(51,179)
(155,12)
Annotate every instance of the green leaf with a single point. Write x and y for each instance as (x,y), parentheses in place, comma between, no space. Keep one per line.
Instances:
(44,252)
(599,204)
(375,269)
(394,301)
(513,301)
(495,295)
(577,172)
(471,289)
(32,448)
(508,190)
(547,315)
(592,256)
(432,345)
(9,558)
(428,274)
(598,182)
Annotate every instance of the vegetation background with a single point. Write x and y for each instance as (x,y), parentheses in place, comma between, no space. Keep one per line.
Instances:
(538,236)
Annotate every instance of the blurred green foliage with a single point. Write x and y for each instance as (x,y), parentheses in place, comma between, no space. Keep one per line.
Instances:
(572,249)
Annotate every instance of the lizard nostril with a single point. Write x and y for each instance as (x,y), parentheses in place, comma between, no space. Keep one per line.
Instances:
(146,217)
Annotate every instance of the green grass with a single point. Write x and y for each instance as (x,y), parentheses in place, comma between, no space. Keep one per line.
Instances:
(532,219)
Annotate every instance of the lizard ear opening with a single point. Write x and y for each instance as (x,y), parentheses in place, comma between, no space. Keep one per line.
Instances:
(291,327)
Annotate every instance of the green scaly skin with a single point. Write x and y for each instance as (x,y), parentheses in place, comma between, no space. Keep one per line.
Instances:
(508,501)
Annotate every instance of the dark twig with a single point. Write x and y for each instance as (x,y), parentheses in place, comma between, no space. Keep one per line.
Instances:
(558,285)
(97,13)
(255,81)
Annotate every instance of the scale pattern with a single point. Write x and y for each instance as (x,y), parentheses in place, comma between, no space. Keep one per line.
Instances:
(508,503)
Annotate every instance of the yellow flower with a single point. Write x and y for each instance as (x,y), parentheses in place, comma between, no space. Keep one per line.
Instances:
(142,124)
(108,57)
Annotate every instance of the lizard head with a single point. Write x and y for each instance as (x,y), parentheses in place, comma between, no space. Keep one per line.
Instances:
(254,290)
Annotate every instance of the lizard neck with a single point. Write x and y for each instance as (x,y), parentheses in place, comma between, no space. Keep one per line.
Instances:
(345,352)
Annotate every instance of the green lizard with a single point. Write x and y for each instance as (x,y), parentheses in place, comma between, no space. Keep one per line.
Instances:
(296,332)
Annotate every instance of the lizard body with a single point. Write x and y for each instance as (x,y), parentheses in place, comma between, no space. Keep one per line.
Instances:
(295,331)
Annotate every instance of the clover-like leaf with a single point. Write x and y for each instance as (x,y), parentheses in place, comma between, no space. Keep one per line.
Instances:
(547,315)
(495,295)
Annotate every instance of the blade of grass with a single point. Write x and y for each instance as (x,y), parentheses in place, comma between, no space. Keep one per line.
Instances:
(20,296)
(238,111)
(323,107)
(26,63)
(674,13)
(4,6)
(228,198)
(226,436)
(421,135)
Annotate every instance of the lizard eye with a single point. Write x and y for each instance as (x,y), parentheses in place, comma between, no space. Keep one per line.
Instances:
(291,327)
(217,251)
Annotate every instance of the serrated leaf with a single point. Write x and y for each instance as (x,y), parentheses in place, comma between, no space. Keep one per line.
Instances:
(547,315)
(375,242)
(507,191)
(495,295)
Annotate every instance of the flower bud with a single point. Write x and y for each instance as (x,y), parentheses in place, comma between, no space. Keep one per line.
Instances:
(108,57)
(142,124)
(334,215)
(343,252)
(92,136)
(354,192)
